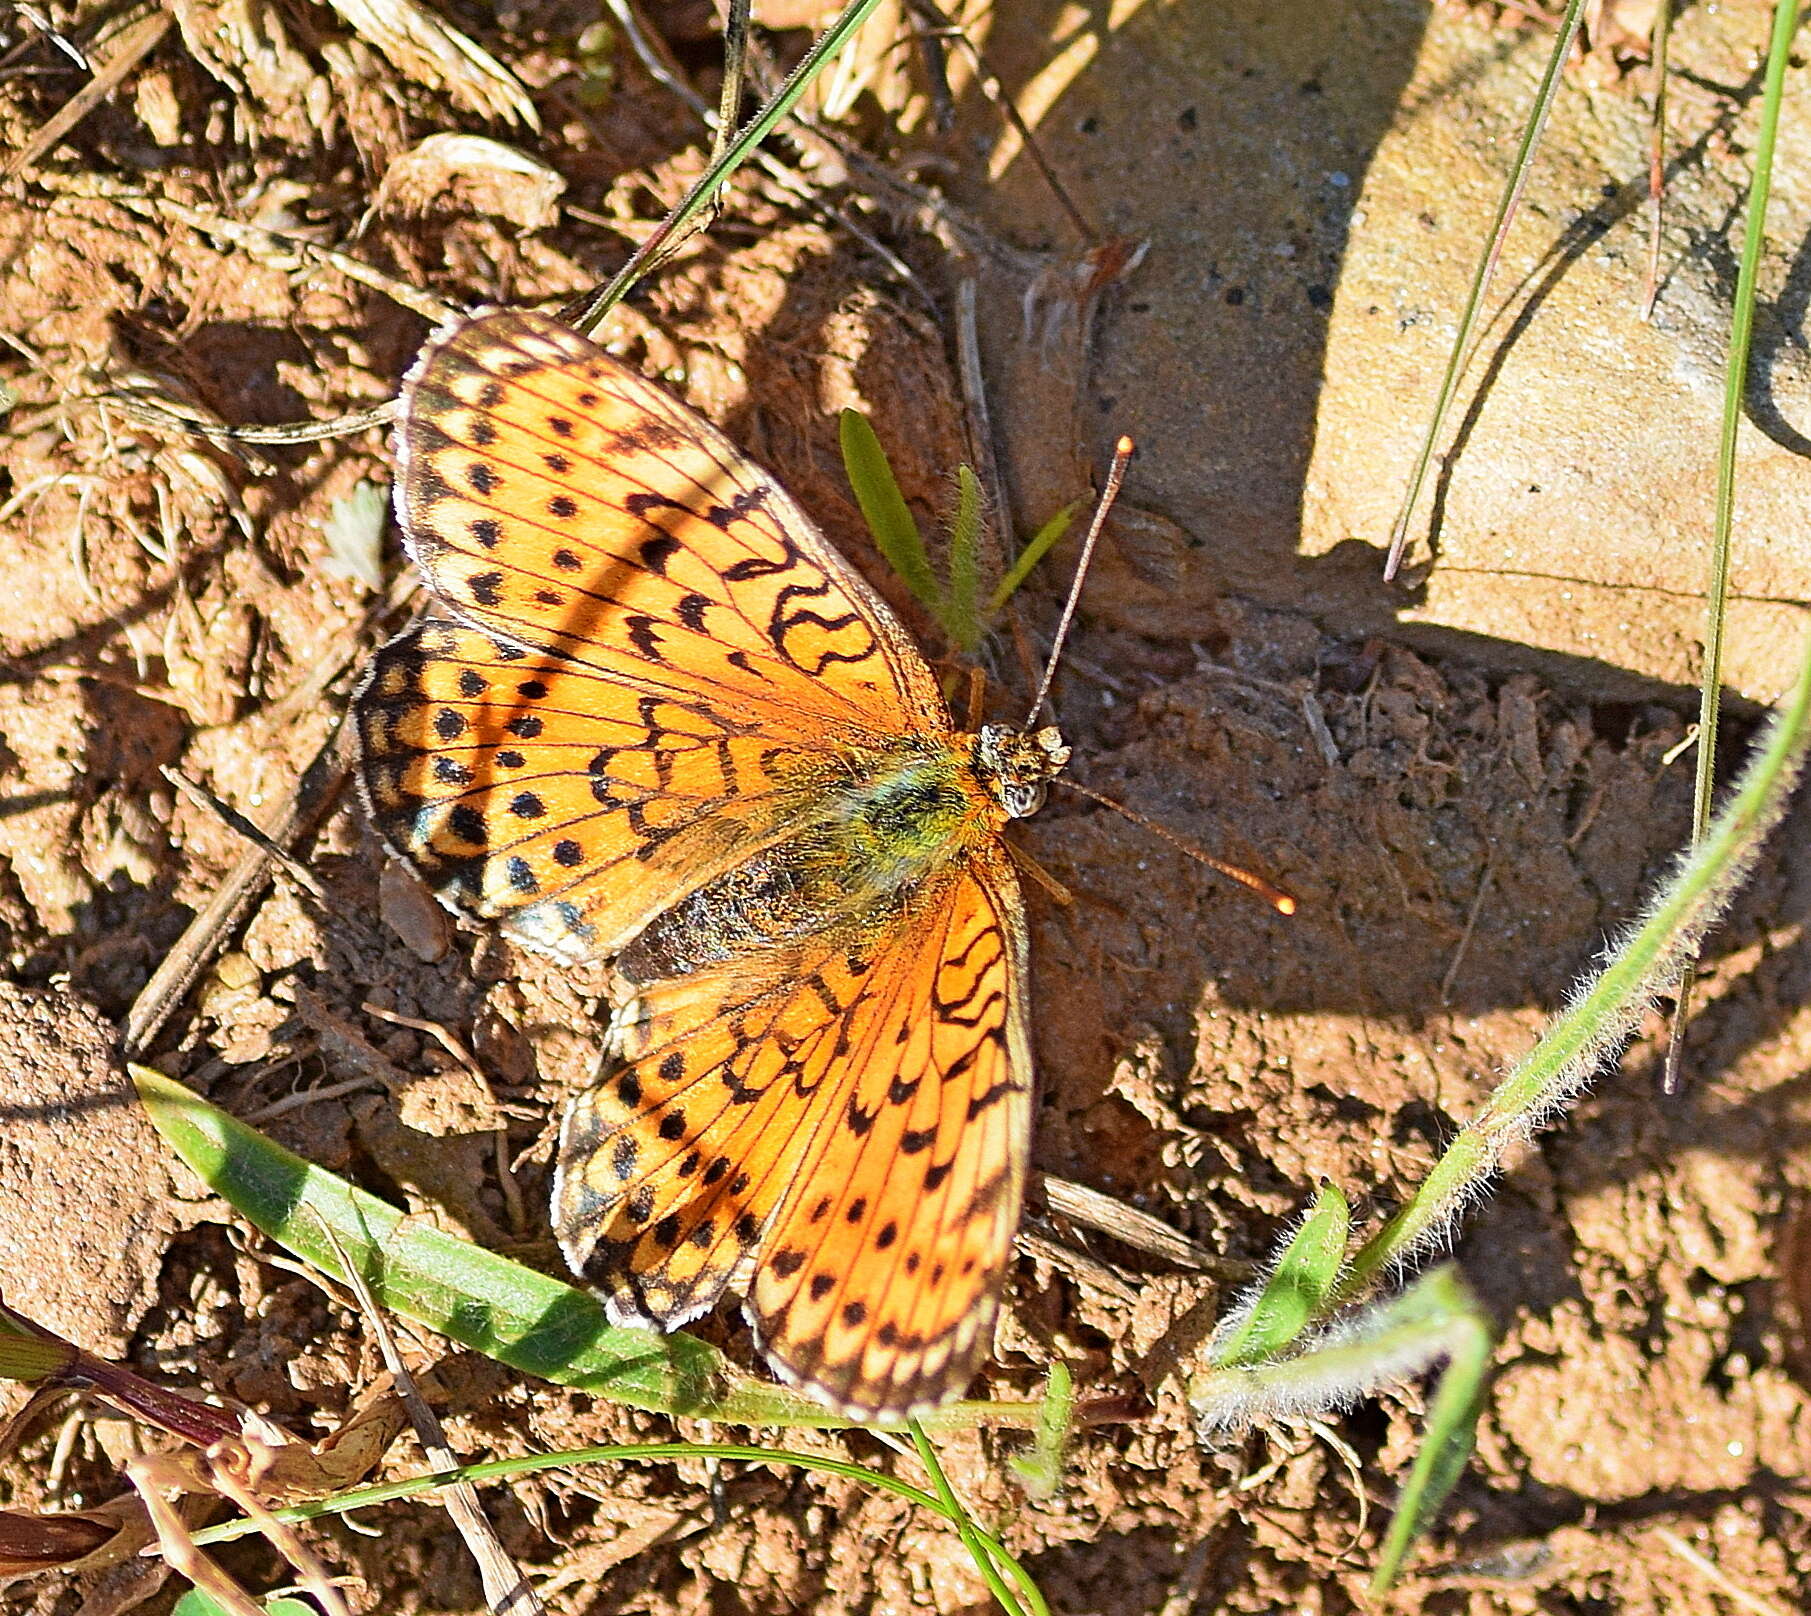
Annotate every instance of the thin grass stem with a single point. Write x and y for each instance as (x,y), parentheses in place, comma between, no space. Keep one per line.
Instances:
(1735,390)
(1663,33)
(1474,303)
(973,1537)
(584,313)
(647,1453)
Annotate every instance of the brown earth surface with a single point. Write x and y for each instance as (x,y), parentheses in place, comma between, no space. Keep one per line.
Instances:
(1463,831)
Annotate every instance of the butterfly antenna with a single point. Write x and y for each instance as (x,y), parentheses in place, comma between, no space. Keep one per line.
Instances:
(1275,896)
(1116,474)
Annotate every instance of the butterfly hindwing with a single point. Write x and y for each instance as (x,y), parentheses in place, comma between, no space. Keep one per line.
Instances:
(840,1133)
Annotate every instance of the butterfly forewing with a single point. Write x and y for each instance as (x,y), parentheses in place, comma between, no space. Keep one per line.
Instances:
(571,806)
(553,497)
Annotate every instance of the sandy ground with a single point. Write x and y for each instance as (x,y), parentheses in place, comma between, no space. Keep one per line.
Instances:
(1463,833)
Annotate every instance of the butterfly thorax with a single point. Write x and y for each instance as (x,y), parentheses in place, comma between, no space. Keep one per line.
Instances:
(894,821)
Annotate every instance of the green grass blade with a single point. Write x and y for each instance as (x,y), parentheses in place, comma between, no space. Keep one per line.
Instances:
(1040,1470)
(585,314)
(1735,391)
(196,1603)
(1452,1420)
(884,509)
(1606,1010)
(965,562)
(1042,543)
(1296,1292)
(1487,263)
(497,1307)
(514,1314)
(26,1357)
(980,1549)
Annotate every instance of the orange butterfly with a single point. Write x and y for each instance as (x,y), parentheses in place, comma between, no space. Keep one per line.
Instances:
(670,726)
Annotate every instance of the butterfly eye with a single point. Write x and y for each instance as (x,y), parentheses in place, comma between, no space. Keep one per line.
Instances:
(1021,799)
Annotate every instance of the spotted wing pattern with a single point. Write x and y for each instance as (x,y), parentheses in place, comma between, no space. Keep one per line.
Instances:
(570,806)
(671,655)
(840,1132)
(553,497)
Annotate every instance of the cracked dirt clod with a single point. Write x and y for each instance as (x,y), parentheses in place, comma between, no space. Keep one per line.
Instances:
(86,1176)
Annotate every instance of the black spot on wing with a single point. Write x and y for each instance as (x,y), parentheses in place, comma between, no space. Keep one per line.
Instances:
(658,551)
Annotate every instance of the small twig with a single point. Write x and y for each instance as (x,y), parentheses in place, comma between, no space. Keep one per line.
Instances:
(1717,1578)
(35,16)
(240,825)
(1471,926)
(282,1536)
(736,14)
(232,900)
(1663,29)
(995,91)
(146,413)
(439,1032)
(129,49)
(151,1475)
(1103,1213)
(1001,529)
(302,1097)
(1078,1265)
(506,1590)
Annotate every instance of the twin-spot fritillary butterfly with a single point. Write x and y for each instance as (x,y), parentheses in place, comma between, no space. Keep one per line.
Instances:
(668,725)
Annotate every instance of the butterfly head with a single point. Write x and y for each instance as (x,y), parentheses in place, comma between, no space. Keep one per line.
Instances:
(1017,765)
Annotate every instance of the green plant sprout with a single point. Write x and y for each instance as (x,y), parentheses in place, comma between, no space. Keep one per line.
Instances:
(955,603)
(1040,1467)
(196,1603)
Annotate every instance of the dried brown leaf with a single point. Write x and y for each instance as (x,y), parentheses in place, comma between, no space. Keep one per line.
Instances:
(472,174)
(432,52)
